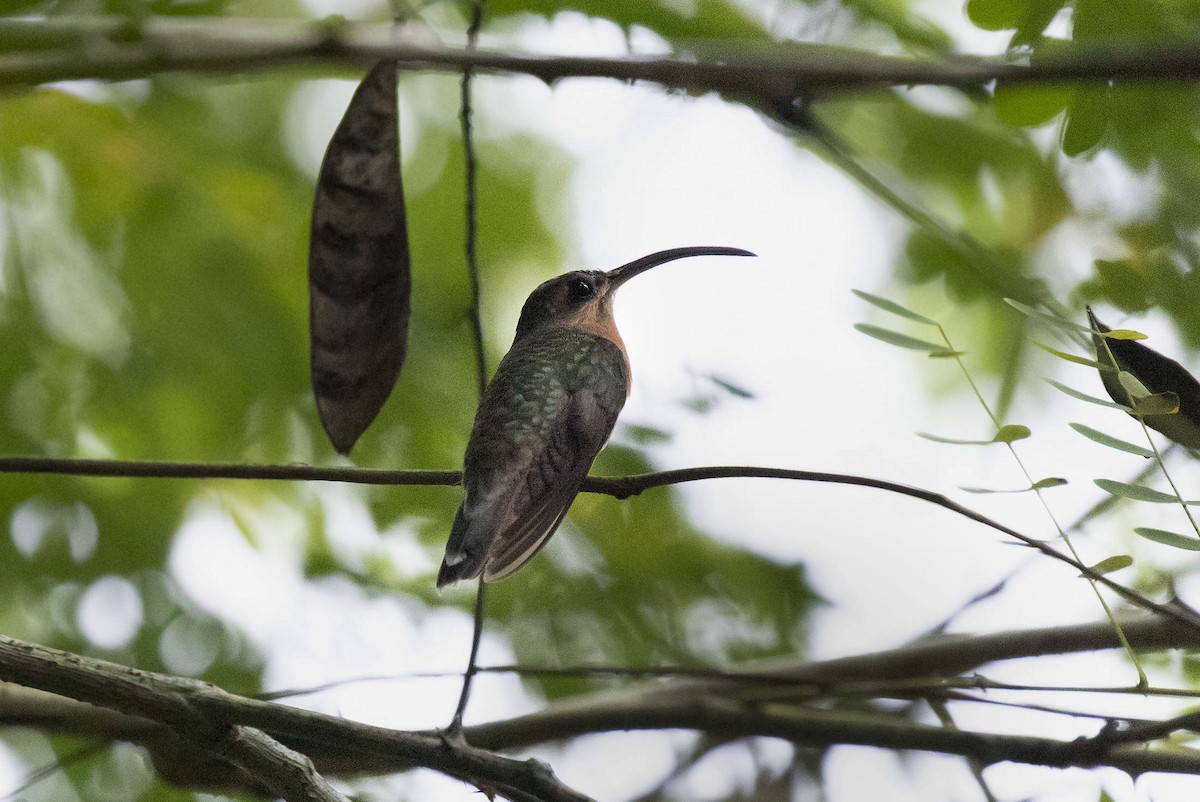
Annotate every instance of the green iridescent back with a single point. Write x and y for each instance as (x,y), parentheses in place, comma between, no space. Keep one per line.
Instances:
(531,387)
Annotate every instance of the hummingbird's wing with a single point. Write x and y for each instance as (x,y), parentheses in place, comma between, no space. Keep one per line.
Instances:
(542,496)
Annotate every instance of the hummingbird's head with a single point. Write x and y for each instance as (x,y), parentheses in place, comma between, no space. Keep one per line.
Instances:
(583,298)
(572,299)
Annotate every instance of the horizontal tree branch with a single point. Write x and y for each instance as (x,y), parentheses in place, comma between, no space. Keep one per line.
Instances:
(928,660)
(294,472)
(116,48)
(287,773)
(618,487)
(942,655)
(266,762)
(204,719)
(807,726)
(717,701)
(728,708)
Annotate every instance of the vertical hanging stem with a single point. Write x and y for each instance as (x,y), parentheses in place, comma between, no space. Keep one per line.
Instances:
(472,668)
(476,324)
(470,201)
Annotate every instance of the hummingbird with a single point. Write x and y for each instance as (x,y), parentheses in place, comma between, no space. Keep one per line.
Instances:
(543,418)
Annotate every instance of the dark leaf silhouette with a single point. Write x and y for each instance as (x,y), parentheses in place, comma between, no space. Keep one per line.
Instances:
(358,264)
(1158,374)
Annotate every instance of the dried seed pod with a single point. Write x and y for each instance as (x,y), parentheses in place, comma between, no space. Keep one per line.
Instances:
(358,264)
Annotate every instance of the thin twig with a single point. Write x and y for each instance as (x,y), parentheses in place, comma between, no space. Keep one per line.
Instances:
(225,470)
(470,204)
(618,487)
(472,661)
(632,485)
(61,764)
(931,665)
(476,317)
(944,716)
(986,267)
(816,727)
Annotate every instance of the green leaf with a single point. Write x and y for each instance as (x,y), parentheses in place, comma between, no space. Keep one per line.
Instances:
(983,490)
(700,403)
(1110,441)
(645,435)
(1026,105)
(1124,334)
(1011,433)
(1113,563)
(1157,404)
(1086,121)
(1132,385)
(994,15)
(945,353)
(1006,434)
(1049,481)
(1125,279)
(1091,399)
(896,338)
(1135,492)
(893,307)
(735,390)
(1035,18)
(1169,538)
(952,441)
(1078,360)
(1046,317)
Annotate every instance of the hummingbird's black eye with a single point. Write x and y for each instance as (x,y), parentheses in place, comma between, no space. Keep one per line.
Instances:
(581,290)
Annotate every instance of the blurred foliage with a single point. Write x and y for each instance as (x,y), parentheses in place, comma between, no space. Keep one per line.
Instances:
(153,306)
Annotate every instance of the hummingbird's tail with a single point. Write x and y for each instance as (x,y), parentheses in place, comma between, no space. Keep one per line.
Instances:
(460,562)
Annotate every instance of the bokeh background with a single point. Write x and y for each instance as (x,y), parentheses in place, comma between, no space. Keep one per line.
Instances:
(153,305)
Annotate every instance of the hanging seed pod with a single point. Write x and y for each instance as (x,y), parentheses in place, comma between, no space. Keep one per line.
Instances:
(1158,389)
(358,264)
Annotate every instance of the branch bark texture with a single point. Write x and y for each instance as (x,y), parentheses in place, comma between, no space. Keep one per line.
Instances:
(190,727)
(114,48)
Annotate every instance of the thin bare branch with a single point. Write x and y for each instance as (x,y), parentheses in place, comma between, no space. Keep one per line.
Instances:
(470,201)
(632,485)
(225,470)
(618,487)
(936,656)
(819,728)
(476,317)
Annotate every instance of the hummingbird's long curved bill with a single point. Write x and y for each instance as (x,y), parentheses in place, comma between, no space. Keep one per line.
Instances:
(619,275)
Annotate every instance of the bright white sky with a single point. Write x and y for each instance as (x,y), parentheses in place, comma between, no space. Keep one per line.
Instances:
(659,172)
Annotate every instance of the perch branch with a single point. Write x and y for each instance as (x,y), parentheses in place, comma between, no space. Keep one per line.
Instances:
(618,487)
